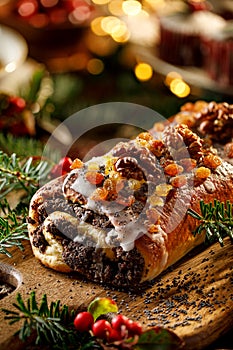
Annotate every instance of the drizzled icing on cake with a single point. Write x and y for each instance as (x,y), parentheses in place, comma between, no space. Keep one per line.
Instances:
(131,184)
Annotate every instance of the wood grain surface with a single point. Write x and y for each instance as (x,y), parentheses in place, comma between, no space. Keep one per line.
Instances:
(194,298)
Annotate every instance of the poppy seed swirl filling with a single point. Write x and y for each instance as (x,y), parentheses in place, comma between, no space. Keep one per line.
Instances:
(121,218)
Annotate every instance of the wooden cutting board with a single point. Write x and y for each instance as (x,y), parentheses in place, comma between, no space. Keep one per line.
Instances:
(194,298)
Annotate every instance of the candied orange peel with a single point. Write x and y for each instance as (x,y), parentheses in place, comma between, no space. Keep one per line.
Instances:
(76,164)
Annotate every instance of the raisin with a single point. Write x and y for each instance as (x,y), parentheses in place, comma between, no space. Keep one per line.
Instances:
(202,172)
(173,169)
(145,136)
(212,161)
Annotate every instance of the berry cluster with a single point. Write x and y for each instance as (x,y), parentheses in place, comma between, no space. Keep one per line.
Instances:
(15,116)
(118,330)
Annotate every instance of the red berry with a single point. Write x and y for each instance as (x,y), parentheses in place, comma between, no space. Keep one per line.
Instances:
(17,104)
(118,321)
(101,329)
(84,321)
(134,328)
(65,163)
(114,335)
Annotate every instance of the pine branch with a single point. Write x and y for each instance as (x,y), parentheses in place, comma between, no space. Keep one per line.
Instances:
(216,221)
(25,147)
(52,324)
(13,227)
(16,174)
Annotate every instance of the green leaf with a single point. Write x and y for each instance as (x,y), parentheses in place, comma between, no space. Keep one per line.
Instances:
(102,306)
(159,338)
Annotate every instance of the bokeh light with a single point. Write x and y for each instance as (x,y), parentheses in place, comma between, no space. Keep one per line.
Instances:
(171,76)
(131,7)
(96,26)
(115,7)
(143,71)
(101,2)
(27,8)
(95,66)
(179,88)
(110,24)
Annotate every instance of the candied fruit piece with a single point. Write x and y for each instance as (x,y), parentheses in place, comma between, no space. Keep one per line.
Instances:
(145,136)
(202,172)
(76,164)
(173,169)
(179,181)
(109,165)
(212,161)
(188,163)
(156,200)
(125,201)
(94,177)
(162,190)
(134,184)
(99,194)
(143,143)
(153,228)
(152,215)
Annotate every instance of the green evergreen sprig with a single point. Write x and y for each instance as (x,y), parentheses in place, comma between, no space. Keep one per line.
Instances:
(50,324)
(216,220)
(13,227)
(16,174)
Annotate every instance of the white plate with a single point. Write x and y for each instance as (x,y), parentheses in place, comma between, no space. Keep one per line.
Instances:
(13,50)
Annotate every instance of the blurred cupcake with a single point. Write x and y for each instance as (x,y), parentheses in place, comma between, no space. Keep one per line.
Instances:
(218,54)
(180,33)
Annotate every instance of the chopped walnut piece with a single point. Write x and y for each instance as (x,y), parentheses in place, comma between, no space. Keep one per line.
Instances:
(157,147)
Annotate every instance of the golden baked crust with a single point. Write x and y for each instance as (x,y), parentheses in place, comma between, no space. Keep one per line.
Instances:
(122,218)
